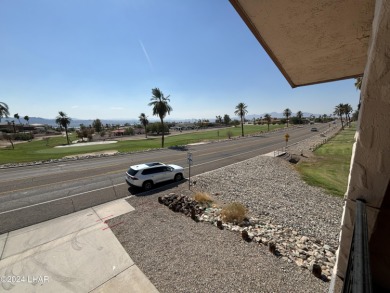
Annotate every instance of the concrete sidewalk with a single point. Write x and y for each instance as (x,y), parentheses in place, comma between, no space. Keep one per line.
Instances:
(73,253)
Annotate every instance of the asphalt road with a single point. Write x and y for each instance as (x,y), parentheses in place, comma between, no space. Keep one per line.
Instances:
(33,194)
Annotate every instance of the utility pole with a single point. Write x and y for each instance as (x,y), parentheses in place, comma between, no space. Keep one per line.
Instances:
(189,158)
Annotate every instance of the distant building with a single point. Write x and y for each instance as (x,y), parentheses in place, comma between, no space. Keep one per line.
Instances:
(14,127)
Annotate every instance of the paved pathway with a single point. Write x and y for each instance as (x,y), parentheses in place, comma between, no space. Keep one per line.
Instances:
(73,253)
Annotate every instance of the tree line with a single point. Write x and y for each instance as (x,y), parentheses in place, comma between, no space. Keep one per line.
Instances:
(161,108)
(344,109)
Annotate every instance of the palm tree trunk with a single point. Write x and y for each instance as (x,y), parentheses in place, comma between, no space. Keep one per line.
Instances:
(66,131)
(146,134)
(268,127)
(162,136)
(242,127)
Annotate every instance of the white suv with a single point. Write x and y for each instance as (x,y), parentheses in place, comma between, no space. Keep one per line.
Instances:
(148,174)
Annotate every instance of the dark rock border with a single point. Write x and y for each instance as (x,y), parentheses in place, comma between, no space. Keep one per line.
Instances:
(285,243)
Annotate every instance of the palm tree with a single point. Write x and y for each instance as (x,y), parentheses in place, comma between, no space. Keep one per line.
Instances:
(267,118)
(358,83)
(241,111)
(26,118)
(4,110)
(144,121)
(16,116)
(339,111)
(160,108)
(63,120)
(347,111)
(299,116)
(218,119)
(13,125)
(287,113)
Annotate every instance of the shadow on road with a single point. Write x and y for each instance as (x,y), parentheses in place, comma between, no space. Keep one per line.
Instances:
(137,191)
(182,148)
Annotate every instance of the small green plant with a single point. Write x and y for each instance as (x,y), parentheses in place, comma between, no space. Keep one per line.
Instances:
(233,212)
(203,198)
(229,134)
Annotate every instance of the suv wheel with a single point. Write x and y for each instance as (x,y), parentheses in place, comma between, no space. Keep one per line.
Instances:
(178,177)
(147,185)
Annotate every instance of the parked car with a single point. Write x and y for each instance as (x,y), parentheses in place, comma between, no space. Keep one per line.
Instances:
(148,174)
(314,129)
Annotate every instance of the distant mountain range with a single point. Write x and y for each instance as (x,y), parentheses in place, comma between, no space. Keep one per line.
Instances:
(76,122)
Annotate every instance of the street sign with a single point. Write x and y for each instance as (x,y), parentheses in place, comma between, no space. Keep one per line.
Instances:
(286,136)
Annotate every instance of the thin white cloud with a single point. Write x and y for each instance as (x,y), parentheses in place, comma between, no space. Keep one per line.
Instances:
(75,106)
(116,108)
(146,55)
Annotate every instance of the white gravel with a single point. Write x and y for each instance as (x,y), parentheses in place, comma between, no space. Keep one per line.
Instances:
(271,189)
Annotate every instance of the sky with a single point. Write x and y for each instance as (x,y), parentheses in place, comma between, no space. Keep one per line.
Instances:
(101,58)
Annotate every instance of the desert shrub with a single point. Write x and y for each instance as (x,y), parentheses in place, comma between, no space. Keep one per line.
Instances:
(229,134)
(9,137)
(233,212)
(157,128)
(203,197)
(129,131)
(23,136)
(79,134)
(85,132)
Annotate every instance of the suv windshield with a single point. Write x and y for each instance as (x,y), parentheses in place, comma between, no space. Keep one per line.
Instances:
(132,172)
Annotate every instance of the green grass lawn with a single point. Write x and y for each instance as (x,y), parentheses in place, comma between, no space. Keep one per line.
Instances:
(38,150)
(329,168)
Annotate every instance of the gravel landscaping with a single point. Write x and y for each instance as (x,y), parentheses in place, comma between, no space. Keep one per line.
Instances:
(272,190)
(179,254)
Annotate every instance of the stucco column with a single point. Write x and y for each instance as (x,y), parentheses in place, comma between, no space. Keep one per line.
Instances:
(370,164)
